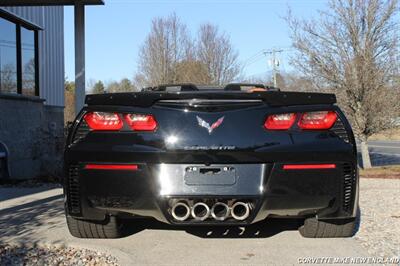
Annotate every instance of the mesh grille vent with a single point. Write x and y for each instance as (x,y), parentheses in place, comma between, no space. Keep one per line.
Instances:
(348,186)
(74,195)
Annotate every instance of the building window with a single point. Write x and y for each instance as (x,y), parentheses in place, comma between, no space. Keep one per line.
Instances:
(28,61)
(18,59)
(8,56)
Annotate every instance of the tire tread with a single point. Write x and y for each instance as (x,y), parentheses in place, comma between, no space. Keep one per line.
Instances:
(111,228)
(314,228)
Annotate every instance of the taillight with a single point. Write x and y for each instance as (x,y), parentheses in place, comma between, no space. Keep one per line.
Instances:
(139,122)
(131,167)
(280,121)
(103,121)
(317,120)
(308,166)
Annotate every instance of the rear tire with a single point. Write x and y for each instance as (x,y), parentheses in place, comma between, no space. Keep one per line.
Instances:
(110,228)
(313,228)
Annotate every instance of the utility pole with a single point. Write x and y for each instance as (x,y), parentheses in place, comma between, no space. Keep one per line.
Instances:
(80,81)
(275,64)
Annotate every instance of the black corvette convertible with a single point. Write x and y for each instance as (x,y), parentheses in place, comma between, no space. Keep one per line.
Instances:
(188,155)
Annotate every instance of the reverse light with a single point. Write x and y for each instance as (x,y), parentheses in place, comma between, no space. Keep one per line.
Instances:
(103,121)
(128,167)
(317,120)
(139,122)
(280,121)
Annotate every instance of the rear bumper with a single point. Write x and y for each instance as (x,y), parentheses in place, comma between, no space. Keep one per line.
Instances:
(272,191)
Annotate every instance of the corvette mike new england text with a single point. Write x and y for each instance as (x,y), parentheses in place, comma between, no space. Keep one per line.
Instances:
(349,260)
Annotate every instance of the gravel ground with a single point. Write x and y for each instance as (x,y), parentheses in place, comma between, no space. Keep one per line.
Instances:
(13,255)
(380,217)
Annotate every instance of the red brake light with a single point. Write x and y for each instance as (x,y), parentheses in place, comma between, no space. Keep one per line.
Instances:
(308,166)
(131,167)
(103,121)
(139,122)
(280,121)
(317,120)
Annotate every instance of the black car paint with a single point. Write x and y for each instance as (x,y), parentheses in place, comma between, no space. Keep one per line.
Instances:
(294,193)
(272,98)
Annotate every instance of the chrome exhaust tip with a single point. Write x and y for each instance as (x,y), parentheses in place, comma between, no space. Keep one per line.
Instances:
(240,211)
(180,211)
(200,211)
(220,211)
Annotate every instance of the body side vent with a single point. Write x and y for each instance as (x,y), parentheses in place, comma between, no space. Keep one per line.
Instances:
(74,201)
(349,182)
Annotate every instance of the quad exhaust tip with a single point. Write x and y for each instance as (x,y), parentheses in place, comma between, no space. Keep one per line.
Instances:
(180,211)
(200,211)
(220,211)
(240,211)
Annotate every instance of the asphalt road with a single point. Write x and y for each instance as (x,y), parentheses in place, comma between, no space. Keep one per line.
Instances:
(384,152)
(36,216)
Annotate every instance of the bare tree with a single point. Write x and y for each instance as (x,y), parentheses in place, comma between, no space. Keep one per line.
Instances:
(296,82)
(8,78)
(192,71)
(140,81)
(352,50)
(28,78)
(169,55)
(214,49)
(286,81)
(167,44)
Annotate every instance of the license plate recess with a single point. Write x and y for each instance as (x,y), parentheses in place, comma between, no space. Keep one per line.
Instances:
(210,175)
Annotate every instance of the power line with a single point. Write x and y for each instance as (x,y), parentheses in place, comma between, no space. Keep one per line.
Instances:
(275,62)
(273,54)
(254,58)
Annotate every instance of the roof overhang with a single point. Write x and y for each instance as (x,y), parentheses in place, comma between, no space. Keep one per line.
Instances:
(19,20)
(49,2)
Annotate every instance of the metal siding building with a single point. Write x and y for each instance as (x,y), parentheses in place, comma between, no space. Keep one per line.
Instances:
(51,49)
(32,103)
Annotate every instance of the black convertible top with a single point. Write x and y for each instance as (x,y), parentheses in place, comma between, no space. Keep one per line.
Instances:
(148,96)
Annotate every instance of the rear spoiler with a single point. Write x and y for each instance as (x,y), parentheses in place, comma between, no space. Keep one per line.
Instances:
(148,98)
(193,87)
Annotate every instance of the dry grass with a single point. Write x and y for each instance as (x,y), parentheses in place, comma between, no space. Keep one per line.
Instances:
(387,172)
(391,134)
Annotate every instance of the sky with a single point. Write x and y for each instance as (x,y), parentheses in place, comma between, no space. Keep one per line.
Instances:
(115,31)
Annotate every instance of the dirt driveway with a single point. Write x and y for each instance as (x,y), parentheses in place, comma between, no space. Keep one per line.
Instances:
(37,216)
